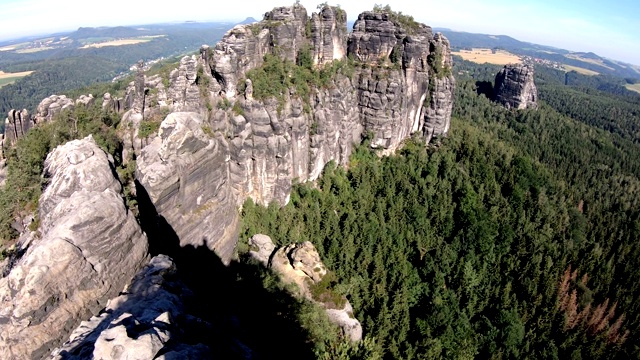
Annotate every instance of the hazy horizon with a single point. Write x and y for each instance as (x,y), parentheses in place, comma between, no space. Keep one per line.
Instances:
(608,29)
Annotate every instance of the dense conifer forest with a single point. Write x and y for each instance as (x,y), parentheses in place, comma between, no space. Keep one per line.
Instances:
(514,237)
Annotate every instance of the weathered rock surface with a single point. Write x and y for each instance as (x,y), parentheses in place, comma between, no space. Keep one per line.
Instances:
(185,176)
(16,126)
(300,264)
(515,87)
(90,246)
(328,35)
(148,320)
(51,106)
(183,91)
(261,248)
(111,103)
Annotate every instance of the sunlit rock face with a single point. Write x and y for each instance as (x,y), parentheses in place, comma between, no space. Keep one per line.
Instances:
(89,248)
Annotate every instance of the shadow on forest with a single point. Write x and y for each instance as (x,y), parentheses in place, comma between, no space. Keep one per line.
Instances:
(485,88)
(246,319)
(232,298)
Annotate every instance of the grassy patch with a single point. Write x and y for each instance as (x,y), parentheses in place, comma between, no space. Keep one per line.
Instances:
(633,87)
(580,70)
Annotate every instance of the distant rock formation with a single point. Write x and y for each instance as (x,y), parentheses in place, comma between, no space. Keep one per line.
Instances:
(89,248)
(515,87)
(148,320)
(16,126)
(51,106)
(300,264)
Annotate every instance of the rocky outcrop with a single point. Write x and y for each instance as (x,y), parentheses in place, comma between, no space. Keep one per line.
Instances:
(515,87)
(184,93)
(51,106)
(148,320)
(185,176)
(90,246)
(113,104)
(300,264)
(437,115)
(328,35)
(16,126)
(86,100)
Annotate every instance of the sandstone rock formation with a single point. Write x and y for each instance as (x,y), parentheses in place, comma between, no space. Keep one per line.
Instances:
(401,84)
(16,126)
(515,87)
(184,174)
(148,320)
(111,103)
(300,264)
(52,105)
(90,246)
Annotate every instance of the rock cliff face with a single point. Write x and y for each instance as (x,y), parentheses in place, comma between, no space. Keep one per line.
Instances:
(300,264)
(148,320)
(184,175)
(400,84)
(515,87)
(89,248)
(16,126)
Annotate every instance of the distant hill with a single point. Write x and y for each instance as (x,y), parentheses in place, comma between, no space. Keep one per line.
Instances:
(588,60)
(246,21)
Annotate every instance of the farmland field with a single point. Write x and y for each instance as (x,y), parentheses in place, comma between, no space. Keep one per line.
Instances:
(481,56)
(9,78)
(580,70)
(121,42)
(634,87)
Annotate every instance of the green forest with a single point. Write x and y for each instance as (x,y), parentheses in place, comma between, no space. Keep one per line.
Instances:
(513,237)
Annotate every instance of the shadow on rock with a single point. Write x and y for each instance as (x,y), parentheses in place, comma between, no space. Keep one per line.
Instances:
(192,307)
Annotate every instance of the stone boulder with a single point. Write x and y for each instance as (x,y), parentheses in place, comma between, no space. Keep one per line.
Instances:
(90,246)
(300,264)
(261,248)
(515,87)
(148,320)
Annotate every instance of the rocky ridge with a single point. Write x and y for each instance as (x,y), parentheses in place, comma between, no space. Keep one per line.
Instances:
(300,264)
(515,87)
(89,246)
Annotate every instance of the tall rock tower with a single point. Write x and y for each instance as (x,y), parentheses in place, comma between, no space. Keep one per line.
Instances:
(515,87)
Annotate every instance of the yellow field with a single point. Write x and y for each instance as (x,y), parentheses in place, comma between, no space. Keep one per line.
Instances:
(116,43)
(4,75)
(633,87)
(121,42)
(10,78)
(33,50)
(481,56)
(580,70)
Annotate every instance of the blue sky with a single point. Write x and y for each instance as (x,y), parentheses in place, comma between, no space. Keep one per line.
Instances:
(609,28)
